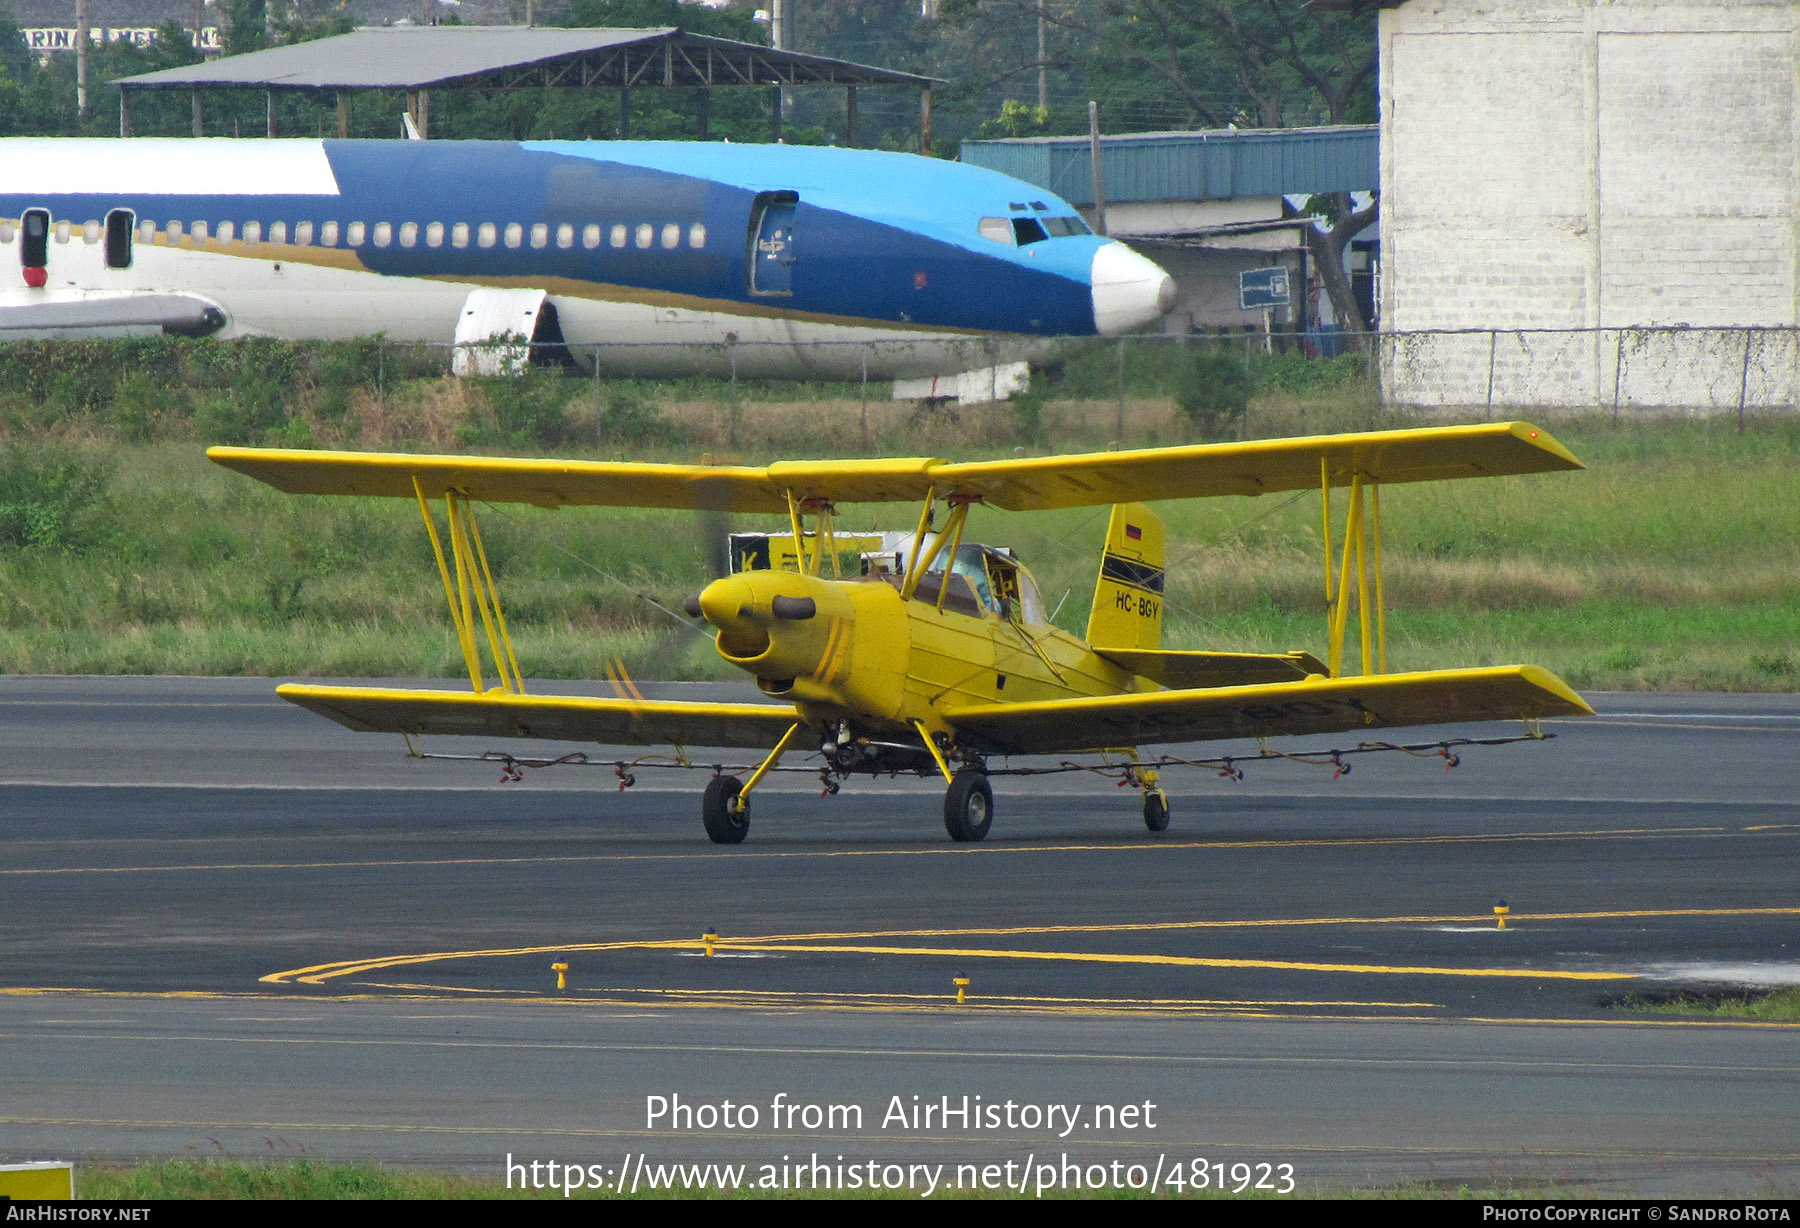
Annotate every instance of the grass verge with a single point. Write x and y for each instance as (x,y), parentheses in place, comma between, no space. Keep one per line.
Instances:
(1671,563)
(1772,1006)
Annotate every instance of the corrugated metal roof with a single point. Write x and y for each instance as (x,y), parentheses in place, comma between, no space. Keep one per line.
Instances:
(1211,165)
(401,57)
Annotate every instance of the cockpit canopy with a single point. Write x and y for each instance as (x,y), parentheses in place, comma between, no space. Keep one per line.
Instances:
(984,581)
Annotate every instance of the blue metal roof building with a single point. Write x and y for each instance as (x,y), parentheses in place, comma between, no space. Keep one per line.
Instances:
(1218,164)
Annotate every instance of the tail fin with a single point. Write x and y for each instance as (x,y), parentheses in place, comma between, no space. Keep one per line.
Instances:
(1128,599)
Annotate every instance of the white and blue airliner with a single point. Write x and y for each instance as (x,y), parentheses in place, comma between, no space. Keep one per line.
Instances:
(650,258)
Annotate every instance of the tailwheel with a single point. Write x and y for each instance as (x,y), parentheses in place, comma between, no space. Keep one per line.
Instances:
(968,807)
(726,815)
(1156,810)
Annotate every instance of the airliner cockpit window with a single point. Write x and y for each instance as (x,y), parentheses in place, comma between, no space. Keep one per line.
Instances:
(1028,230)
(1062,227)
(998,229)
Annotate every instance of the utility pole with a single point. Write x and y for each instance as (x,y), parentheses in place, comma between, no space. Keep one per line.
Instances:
(81,59)
(1043,71)
(1099,167)
(781,38)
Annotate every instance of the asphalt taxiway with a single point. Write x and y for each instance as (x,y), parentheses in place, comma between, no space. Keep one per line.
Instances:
(234,926)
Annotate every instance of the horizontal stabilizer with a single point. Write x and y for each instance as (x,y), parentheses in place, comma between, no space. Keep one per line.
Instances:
(1321,705)
(1213,669)
(627,722)
(1193,471)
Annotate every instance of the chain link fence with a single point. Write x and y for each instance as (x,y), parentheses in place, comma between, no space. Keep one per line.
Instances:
(1483,372)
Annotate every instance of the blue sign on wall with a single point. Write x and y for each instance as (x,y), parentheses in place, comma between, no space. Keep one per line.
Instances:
(1260,289)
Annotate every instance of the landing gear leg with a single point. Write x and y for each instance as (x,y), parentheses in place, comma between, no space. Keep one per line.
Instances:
(725,810)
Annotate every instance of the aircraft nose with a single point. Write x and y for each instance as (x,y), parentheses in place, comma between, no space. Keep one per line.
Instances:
(1129,291)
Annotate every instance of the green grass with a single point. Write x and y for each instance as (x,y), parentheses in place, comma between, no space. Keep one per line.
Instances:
(1671,563)
(1774,1006)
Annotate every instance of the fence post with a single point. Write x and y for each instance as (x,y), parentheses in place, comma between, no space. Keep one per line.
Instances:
(1618,369)
(1744,381)
(865,395)
(731,352)
(1119,428)
(1493,342)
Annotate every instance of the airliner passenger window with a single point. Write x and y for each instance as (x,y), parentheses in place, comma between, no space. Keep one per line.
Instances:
(540,235)
(7,230)
(998,229)
(199,232)
(354,233)
(277,232)
(618,236)
(515,234)
(434,234)
(253,232)
(328,234)
(303,233)
(645,233)
(384,234)
(590,236)
(565,235)
(459,235)
(226,231)
(172,231)
(697,235)
(671,236)
(485,234)
(62,230)
(146,232)
(118,239)
(90,232)
(409,234)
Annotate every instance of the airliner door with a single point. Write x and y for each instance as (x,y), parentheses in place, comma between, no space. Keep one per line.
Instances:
(772,251)
(34,246)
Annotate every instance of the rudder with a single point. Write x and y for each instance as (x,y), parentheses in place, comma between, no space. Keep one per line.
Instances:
(1128,597)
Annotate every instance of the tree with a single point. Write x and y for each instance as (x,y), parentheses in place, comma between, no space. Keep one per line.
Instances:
(1162,64)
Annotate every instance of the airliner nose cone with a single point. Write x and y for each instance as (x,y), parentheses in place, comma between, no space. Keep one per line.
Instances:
(1129,291)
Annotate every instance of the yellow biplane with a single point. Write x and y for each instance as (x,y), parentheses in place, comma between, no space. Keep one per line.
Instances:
(936,655)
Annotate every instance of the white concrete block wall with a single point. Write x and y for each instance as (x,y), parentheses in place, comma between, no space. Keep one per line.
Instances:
(1590,164)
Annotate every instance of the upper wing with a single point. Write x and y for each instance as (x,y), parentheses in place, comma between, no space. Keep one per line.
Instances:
(1090,479)
(1258,467)
(1323,705)
(632,722)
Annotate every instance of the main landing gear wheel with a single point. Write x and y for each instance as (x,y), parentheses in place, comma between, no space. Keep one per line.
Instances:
(726,817)
(968,807)
(1156,810)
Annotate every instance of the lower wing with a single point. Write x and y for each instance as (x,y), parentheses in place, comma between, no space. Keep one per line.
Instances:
(630,722)
(1321,705)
